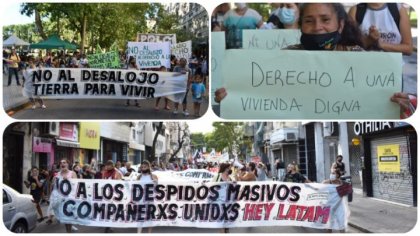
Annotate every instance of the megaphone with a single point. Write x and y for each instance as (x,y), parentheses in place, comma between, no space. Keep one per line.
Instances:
(236,163)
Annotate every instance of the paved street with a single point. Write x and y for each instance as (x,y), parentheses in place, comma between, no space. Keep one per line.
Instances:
(59,228)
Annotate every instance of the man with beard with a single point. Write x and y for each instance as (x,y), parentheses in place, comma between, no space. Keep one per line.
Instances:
(111,172)
(145,177)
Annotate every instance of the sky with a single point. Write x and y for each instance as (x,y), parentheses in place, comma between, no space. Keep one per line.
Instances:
(200,125)
(10,15)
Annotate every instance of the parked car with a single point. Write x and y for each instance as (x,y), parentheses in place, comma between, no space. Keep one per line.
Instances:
(19,212)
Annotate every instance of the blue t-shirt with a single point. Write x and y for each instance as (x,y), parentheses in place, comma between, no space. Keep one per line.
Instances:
(197,90)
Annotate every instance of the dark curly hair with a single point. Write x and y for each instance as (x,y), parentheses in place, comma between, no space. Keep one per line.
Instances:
(351,34)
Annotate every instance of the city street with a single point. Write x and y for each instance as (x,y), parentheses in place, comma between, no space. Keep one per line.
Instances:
(90,108)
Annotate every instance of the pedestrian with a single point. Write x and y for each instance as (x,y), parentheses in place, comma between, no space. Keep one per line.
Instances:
(101,170)
(385,26)
(335,179)
(198,91)
(281,168)
(36,188)
(293,176)
(284,16)
(146,177)
(339,165)
(223,176)
(132,65)
(65,173)
(111,172)
(248,173)
(182,68)
(238,19)
(13,61)
(261,172)
(162,69)
(87,172)
(28,86)
(77,170)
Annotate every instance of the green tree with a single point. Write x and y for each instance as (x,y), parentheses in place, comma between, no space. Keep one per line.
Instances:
(198,140)
(262,8)
(225,134)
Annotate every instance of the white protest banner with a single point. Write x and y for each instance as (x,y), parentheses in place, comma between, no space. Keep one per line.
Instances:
(156,38)
(182,50)
(54,83)
(270,39)
(150,55)
(217,52)
(118,203)
(291,84)
(194,175)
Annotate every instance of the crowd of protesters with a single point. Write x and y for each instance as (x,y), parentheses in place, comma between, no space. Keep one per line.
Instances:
(15,64)
(41,180)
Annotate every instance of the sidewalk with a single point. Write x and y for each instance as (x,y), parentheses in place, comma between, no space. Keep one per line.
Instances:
(374,216)
(12,95)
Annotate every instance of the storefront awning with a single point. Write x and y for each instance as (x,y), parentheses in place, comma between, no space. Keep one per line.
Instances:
(65,143)
(137,146)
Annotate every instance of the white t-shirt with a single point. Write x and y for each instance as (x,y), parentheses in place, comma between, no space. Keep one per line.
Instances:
(382,19)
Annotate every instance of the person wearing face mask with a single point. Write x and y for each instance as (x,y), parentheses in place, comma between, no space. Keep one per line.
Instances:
(238,19)
(146,176)
(334,178)
(285,16)
(338,165)
(326,26)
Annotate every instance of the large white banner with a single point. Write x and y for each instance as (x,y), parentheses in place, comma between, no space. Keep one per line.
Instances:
(105,84)
(117,203)
(150,55)
(182,50)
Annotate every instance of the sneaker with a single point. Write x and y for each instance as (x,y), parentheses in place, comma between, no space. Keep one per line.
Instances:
(40,219)
(48,222)
(73,228)
(175,112)
(167,108)
(33,106)
(44,107)
(186,113)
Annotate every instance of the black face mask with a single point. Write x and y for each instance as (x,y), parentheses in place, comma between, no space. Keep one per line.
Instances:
(145,171)
(326,41)
(229,172)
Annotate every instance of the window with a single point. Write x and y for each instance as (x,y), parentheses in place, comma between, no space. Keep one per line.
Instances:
(6,198)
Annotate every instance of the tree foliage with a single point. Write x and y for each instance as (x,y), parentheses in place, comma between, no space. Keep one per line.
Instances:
(94,24)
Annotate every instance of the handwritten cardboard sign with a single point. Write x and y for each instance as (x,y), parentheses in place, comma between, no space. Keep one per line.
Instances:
(289,84)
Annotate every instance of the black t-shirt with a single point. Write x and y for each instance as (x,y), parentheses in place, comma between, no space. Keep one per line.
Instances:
(35,189)
(87,175)
(341,167)
(294,178)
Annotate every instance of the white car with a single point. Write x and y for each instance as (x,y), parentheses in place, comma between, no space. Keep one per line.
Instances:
(19,212)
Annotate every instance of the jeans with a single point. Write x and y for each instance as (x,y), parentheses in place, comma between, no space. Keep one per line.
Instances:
(15,71)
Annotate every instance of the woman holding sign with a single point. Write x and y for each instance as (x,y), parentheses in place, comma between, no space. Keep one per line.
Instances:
(146,176)
(65,173)
(223,176)
(326,26)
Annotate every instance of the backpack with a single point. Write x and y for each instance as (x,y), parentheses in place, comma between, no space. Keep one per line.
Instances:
(392,7)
